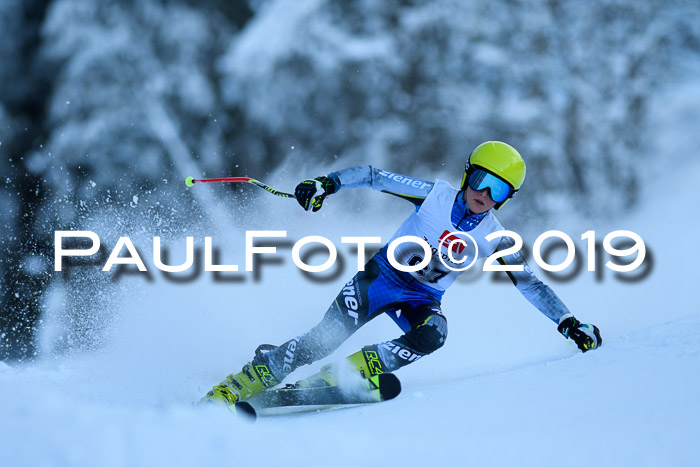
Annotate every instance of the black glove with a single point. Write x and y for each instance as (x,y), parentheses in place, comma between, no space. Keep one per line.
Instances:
(586,336)
(311,193)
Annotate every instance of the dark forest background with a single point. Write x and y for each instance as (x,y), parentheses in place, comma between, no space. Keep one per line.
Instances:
(106,106)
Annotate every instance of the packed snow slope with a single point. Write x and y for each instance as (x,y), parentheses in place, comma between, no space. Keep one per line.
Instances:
(506,389)
(635,403)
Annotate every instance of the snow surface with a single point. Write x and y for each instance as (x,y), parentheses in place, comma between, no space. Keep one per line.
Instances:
(505,390)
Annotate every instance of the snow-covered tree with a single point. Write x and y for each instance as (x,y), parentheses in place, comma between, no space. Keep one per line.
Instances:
(103,104)
(401,83)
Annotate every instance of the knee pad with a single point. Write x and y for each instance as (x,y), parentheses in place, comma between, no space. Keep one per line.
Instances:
(429,336)
(415,344)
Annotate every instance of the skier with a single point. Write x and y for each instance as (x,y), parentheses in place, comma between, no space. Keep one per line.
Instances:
(493,174)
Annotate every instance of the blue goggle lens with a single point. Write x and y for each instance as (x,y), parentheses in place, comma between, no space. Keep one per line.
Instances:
(480,179)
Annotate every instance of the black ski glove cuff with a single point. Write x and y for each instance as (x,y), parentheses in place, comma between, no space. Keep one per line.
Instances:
(586,336)
(311,193)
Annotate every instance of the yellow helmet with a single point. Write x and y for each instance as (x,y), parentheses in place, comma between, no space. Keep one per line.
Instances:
(501,160)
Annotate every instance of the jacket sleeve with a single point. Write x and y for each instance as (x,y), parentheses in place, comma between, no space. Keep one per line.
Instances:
(414,190)
(533,289)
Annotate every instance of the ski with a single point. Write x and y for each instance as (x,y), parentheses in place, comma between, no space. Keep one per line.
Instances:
(378,388)
(242,409)
(245,411)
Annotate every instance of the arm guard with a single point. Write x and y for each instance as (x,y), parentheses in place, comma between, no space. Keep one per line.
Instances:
(533,289)
(412,189)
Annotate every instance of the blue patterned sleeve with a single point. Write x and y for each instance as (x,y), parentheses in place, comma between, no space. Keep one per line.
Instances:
(534,290)
(414,190)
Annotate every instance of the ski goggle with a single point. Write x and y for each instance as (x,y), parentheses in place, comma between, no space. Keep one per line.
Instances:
(480,179)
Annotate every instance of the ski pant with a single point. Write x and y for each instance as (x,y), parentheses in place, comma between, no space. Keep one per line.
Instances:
(366,296)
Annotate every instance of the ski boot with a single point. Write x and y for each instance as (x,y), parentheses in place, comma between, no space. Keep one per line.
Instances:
(254,378)
(365,363)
